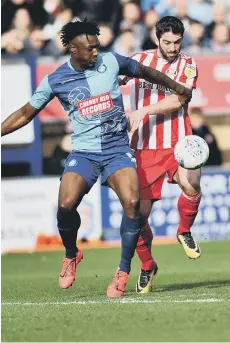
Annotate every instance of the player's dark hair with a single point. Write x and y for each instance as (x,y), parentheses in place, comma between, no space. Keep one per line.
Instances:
(169,24)
(77,28)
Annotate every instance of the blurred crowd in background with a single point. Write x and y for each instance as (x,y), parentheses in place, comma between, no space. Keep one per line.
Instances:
(126,26)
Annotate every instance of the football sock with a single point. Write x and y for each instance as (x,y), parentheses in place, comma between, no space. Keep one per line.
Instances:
(188,209)
(144,246)
(68,225)
(130,231)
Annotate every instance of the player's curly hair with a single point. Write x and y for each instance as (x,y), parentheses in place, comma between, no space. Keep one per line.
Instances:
(77,28)
(169,24)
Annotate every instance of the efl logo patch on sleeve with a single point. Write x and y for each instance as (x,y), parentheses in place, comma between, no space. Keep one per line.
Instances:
(95,105)
(190,71)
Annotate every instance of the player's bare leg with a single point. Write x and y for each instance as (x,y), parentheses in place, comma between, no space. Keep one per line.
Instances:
(144,250)
(72,189)
(188,204)
(125,183)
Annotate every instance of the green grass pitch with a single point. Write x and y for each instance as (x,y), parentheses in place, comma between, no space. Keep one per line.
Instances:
(190,300)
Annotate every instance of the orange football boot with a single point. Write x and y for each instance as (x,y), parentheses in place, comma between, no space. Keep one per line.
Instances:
(117,287)
(67,275)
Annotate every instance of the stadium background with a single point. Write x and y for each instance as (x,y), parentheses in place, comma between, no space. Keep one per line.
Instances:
(32,158)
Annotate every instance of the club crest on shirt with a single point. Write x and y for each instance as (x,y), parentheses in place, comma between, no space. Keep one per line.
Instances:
(171,73)
(102,68)
(78,94)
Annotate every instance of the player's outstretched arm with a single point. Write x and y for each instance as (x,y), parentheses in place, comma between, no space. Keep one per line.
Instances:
(41,97)
(155,76)
(18,119)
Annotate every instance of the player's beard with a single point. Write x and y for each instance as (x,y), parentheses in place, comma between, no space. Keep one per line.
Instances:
(92,63)
(168,58)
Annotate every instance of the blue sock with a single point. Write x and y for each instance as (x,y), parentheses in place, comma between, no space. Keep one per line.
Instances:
(130,231)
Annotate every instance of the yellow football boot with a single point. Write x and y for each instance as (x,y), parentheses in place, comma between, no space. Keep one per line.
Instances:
(145,280)
(191,247)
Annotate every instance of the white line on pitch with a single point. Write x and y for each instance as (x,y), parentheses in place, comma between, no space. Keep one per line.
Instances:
(118,301)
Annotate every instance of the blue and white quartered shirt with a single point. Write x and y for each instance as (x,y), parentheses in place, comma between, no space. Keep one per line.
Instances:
(93,101)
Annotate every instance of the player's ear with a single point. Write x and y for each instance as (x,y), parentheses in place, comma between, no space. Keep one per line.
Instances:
(73,49)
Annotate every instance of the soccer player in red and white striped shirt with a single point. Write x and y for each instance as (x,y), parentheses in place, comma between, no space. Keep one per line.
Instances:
(158,120)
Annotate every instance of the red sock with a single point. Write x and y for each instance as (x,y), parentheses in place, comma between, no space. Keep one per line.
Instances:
(188,209)
(144,246)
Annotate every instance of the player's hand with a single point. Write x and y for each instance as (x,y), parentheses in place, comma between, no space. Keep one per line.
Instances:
(184,91)
(188,95)
(182,99)
(134,119)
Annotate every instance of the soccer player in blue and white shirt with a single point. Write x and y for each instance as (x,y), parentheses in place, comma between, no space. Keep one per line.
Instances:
(87,87)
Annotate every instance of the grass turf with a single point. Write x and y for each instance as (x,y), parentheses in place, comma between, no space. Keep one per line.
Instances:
(190,301)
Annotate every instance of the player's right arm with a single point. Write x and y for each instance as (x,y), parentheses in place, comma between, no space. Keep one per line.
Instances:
(166,106)
(18,119)
(42,96)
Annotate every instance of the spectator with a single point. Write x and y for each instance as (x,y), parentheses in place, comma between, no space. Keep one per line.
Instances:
(35,8)
(50,33)
(14,41)
(165,7)
(100,11)
(126,43)
(150,42)
(200,10)
(181,12)
(150,19)
(146,5)
(61,18)
(219,14)
(200,128)
(36,41)
(106,38)
(220,41)
(196,38)
(131,19)
(52,6)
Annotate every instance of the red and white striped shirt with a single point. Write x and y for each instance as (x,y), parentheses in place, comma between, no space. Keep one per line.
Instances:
(160,131)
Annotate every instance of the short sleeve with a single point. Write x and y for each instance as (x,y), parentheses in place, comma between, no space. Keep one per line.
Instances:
(127,65)
(137,57)
(189,73)
(43,95)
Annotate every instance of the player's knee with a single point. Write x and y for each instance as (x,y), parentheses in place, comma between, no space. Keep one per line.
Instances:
(66,205)
(195,183)
(65,213)
(144,220)
(190,188)
(144,214)
(68,217)
(132,206)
